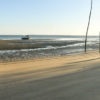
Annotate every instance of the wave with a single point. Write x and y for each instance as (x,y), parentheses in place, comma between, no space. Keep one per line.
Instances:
(50,47)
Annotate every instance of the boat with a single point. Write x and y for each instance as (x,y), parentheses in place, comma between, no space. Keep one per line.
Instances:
(26,37)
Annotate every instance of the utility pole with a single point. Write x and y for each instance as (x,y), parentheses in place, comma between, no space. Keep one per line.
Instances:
(99,42)
(85,48)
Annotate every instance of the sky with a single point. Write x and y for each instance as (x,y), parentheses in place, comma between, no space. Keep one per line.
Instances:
(48,17)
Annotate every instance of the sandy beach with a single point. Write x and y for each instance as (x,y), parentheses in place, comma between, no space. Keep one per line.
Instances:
(22,79)
(49,50)
(46,63)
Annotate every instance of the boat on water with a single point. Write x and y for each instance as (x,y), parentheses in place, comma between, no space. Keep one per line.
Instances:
(26,37)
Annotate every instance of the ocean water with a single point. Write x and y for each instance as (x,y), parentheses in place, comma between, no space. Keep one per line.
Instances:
(54,45)
(54,37)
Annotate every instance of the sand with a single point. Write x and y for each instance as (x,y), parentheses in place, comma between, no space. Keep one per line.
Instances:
(56,78)
(47,63)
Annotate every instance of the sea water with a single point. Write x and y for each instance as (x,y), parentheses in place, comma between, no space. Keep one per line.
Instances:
(50,50)
(56,37)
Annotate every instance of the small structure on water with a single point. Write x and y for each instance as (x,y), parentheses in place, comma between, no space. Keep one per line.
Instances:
(26,37)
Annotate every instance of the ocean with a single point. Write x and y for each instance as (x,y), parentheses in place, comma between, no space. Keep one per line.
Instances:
(57,37)
(47,45)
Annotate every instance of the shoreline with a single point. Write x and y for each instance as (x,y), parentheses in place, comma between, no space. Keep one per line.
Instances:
(12,50)
(70,55)
(49,63)
(34,43)
(15,50)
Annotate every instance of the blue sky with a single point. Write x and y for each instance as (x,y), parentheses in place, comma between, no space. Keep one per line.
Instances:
(52,17)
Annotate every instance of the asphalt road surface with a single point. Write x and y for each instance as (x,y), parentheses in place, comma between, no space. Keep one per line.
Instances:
(80,85)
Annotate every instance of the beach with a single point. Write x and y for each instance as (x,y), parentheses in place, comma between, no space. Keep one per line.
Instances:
(49,69)
(46,63)
(49,50)
(28,79)
(16,50)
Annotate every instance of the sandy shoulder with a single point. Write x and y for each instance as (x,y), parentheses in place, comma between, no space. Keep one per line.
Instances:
(46,63)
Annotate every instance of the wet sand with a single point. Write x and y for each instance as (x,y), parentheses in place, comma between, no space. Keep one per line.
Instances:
(33,43)
(12,50)
(55,78)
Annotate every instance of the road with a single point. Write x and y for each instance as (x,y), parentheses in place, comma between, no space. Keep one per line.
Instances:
(83,84)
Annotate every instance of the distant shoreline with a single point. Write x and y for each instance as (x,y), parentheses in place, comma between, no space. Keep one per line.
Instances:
(18,37)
